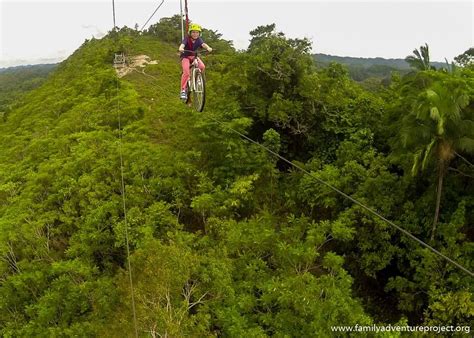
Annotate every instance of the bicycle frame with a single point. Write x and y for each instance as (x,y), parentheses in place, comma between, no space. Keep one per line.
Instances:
(194,68)
(196,84)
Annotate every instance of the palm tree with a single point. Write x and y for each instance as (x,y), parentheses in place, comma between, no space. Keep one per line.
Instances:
(420,58)
(438,127)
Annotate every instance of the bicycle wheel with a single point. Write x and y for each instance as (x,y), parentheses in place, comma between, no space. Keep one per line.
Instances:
(199,94)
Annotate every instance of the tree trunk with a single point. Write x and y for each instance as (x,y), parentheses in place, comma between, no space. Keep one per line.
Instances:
(438,197)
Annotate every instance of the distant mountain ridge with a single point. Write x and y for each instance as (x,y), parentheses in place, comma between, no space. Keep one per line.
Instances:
(367,62)
(42,66)
(17,81)
(319,57)
(361,69)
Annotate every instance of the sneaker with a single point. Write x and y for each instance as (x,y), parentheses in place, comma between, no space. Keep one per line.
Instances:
(184,95)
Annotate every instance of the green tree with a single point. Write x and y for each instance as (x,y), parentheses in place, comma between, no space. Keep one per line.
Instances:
(438,126)
(167,29)
(465,59)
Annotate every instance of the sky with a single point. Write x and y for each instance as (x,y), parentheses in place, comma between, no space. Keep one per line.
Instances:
(39,31)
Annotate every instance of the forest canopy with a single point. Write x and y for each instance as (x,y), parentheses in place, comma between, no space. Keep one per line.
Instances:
(223,238)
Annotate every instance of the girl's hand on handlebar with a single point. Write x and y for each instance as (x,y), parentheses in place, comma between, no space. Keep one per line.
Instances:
(196,53)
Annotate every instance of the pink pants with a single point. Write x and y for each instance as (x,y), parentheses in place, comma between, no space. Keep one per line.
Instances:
(185,63)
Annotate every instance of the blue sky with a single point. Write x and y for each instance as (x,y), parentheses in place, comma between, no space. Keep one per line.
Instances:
(38,31)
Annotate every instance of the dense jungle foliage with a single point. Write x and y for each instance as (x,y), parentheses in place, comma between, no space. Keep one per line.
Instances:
(225,239)
(15,81)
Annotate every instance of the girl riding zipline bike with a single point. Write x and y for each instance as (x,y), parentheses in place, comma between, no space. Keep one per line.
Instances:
(196,87)
(191,43)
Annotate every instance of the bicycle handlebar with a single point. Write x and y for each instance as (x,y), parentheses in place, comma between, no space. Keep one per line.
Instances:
(195,52)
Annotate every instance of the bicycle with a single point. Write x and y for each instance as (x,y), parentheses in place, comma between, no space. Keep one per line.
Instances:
(196,84)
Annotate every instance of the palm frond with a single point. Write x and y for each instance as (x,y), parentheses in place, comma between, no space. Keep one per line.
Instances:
(466,128)
(440,127)
(462,100)
(431,95)
(466,144)
(425,53)
(416,162)
(427,154)
(414,62)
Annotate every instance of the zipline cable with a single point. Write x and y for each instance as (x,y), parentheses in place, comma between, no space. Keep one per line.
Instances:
(348,197)
(157,8)
(124,205)
(407,233)
(125,213)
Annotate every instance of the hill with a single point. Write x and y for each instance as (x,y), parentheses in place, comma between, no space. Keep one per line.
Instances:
(16,81)
(39,68)
(361,69)
(117,201)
